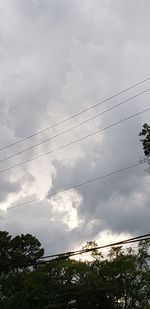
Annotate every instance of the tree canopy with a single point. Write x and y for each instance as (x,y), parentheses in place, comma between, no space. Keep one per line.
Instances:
(145,139)
(119,280)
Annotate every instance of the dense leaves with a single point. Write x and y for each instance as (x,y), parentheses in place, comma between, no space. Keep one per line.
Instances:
(120,280)
(18,252)
(145,139)
(16,257)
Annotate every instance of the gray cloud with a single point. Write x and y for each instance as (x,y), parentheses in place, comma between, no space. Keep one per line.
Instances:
(56,58)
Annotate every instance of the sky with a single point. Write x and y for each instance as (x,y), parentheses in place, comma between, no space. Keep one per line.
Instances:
(58,58)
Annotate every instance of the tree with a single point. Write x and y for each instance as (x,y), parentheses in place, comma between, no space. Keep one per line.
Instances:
(5,248)
(126,276)
(145,139)
(25,251)
(16,257)
(120,280)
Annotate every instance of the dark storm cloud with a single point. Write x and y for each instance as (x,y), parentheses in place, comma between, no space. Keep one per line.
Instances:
(113,200)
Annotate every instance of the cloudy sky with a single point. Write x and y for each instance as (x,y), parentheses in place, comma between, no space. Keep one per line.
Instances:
(57,58)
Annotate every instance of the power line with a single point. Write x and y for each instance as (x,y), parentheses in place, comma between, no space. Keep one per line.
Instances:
(74,142)
(75,115)
(80,184)
(65,255)
(77,252)
(75,126)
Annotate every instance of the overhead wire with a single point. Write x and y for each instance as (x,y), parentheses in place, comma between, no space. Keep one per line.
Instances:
(78,185)
(73,253)
(75,141)
(86,250)
(75,126)
(76,114)
(65,255)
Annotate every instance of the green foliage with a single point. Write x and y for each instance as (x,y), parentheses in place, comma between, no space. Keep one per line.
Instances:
(145,139)
(25,250)
(5,249)
(18,252)
(94,253)
(16,257)
(119,281)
